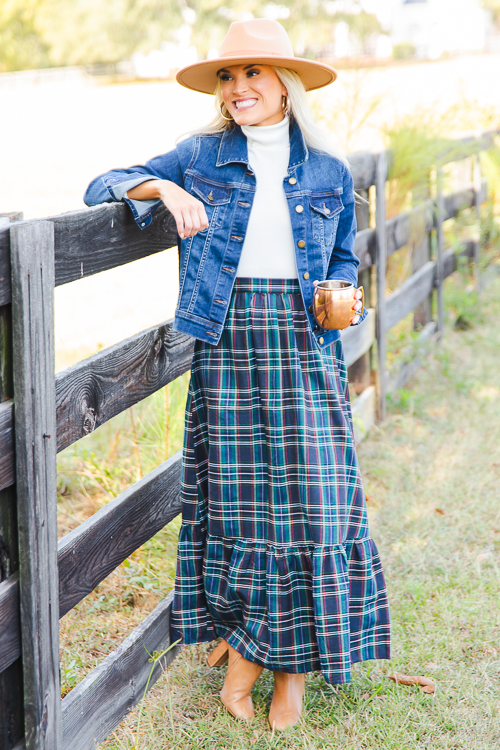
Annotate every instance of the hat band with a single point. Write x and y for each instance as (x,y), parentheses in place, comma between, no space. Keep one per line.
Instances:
(255,52)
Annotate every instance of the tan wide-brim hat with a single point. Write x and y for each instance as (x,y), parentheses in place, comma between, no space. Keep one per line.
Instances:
(259,40)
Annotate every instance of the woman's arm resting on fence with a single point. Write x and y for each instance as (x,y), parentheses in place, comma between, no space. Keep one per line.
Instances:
(189,213)
(113,185)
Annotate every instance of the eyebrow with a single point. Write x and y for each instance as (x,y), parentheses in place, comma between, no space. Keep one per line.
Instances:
(247,67)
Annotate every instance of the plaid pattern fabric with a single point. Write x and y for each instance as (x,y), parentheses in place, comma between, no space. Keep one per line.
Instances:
(274,550)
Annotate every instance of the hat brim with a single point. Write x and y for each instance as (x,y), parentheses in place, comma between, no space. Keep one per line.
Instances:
(202,76)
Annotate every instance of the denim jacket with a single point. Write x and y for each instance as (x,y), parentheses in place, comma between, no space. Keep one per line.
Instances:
(215,169)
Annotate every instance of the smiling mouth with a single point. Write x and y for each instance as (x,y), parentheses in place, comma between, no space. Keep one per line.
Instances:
(244,103)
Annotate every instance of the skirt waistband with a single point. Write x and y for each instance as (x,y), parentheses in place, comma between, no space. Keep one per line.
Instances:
(272,286)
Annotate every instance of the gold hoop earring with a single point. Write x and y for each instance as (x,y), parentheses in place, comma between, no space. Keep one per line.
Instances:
(222,114)
(284,105)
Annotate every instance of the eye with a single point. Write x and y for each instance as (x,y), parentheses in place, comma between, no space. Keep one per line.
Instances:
(253,72)
(225,77)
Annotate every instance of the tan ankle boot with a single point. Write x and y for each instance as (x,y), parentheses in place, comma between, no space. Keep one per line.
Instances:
(286,705)
(241,676)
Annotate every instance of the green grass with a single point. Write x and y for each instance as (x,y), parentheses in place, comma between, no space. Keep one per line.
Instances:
(432,477)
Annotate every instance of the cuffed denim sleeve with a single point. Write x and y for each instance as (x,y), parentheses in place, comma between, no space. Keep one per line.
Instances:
(112,185)
(343,263)
(141,207)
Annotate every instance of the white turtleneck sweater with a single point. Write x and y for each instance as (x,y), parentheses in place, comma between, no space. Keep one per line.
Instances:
(268,250)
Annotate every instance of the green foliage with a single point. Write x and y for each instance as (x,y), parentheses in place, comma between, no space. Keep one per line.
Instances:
(493,6)
(348,115)
(462,303)
(21,44)
(403,51)
(362,25)
(41,33)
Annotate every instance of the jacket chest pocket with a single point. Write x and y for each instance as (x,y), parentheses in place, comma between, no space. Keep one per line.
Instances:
(215,198)
(325,211)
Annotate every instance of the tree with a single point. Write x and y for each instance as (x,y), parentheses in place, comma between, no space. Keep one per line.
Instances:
(21,45)
(493,6)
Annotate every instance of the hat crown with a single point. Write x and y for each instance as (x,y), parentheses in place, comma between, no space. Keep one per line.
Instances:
(256,36)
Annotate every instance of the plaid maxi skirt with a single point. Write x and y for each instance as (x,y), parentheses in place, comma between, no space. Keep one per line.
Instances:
(275,554)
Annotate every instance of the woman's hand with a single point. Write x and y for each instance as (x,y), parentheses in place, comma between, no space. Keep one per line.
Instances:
(358,294)
(189,213)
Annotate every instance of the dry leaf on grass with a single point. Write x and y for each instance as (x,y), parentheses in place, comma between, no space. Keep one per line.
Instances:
(426,685)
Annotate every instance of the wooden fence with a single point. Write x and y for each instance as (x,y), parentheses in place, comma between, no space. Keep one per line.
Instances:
(42,413)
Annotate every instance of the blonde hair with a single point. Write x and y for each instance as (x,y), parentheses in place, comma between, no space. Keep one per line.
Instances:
(315,137)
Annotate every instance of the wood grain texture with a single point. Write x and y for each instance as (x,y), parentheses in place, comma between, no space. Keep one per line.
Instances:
(408,369)
(7,467)
(451,257)
(95,548)
(32,256)
(357,340)
(410,294)
(464,147)
(10,625)
(11,707)
(362,165)
(363,414)
(93,391)
(106,236)
(365,248)
(381,260)
(97,705)
(409,227)
(11,678)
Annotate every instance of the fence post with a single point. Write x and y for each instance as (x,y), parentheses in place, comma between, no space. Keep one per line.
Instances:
(11,679)
(360,372)
(380,219)
(32,259)
(439,250)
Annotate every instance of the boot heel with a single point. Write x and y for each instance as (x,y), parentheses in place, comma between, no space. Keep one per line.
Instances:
(219,656)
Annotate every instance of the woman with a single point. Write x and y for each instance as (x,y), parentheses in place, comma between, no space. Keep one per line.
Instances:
(274,551)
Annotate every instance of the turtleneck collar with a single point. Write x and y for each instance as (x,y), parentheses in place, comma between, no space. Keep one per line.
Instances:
(268,136)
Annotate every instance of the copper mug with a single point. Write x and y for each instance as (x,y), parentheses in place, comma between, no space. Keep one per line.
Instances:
(333,304)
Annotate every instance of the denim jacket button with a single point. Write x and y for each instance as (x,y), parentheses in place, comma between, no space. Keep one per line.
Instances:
(301,243)
(321,340)
(292,181)
(306,275)
(299,209)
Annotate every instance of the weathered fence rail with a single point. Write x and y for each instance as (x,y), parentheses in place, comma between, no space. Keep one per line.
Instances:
(42,579)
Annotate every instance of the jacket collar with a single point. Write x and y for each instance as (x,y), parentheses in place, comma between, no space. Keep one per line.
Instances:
(233,147)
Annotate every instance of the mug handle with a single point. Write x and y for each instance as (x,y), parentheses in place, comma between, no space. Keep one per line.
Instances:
(360,312)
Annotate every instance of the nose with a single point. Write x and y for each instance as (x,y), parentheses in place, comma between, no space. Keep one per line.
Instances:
(240,84)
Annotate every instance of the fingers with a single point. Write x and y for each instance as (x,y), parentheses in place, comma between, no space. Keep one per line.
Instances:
(193,219)
(358,294)
(189,213)
(357,306)
(355,319)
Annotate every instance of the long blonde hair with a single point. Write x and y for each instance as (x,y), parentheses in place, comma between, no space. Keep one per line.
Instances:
(315,137)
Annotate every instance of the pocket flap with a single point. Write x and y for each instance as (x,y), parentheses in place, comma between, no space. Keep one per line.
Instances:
(212,195)
(326,205)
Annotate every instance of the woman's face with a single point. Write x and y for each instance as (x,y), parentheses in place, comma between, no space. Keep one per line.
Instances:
(252,94)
